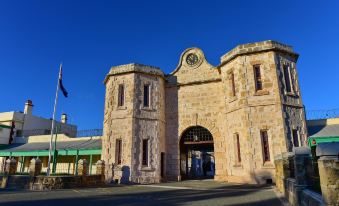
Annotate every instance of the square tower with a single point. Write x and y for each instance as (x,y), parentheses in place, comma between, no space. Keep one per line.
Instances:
(133,140)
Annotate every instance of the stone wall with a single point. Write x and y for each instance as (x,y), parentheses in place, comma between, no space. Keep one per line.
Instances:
(65,182)
(51,182)
(296,182)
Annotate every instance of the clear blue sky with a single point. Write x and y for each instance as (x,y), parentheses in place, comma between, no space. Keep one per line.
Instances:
(91,36)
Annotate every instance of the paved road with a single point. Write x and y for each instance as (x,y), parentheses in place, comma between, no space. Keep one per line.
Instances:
(167,194)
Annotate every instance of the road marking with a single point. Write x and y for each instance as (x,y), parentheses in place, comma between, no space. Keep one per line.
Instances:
(204,189)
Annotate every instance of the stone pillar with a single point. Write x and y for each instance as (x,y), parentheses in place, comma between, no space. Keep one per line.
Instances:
(328,165)
(329,179)
(35,167)
(11,165)
(283,164)
(100,167)
(82,167)
(302,155)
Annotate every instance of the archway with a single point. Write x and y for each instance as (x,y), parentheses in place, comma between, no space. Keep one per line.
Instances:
(197,154)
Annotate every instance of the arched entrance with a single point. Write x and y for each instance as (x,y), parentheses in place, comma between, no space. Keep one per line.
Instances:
(196,154)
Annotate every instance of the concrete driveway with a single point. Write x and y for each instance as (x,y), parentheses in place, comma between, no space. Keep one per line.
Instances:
(200,192)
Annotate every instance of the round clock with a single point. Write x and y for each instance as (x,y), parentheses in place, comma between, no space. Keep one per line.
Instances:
(192,59)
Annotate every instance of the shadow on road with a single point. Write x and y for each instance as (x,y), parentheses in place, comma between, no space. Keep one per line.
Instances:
(237,195)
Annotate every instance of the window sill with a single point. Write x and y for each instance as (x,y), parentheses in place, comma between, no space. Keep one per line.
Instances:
(238,165)
(147,108)
(232,99)
(261,93)
(121,108)
(291,94)
(268,165)
(147,169)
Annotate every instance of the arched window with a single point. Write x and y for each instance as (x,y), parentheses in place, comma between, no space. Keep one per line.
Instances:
(197,134)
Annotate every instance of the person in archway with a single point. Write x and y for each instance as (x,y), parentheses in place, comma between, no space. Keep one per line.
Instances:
(204,168)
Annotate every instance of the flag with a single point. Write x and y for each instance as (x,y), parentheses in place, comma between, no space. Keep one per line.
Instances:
(64,92)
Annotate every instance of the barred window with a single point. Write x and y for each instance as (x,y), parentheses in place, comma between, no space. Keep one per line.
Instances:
(121,95)
(237,143)
(265,145)
(145,152)
(197,134)
(118,151)
(232,84)
(257,77)
(295,137)
(287,78)
(146,95)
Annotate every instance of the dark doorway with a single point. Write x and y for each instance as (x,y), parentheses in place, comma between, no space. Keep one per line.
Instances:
(197,154)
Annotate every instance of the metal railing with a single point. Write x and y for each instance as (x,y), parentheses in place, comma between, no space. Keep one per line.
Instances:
(89,133)
(322,114)
(79,133)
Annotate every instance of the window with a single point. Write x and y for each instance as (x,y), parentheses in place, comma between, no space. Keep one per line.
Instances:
(287,77)
(19,133)
(265,145)
(295,137)
(121,95)
(118,151)
(237,142)
(232,84)
(145,152)
(146,95)
(257,77)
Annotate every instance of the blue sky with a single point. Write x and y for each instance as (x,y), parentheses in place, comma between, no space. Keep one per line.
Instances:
(91,36)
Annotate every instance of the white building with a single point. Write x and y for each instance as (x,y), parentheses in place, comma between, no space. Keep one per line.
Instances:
(23,124)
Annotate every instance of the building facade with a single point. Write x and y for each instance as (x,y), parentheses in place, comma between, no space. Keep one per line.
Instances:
(226,121)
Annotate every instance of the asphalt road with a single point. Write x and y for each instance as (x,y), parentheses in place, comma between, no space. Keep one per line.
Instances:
(167,194)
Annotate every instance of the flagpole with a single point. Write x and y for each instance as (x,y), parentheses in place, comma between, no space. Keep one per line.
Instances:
(53,123)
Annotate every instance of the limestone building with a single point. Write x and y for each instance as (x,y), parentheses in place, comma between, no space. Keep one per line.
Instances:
(226,121)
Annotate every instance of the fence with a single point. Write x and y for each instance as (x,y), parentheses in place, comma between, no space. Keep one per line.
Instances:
(89,133)
(65,165)
(322,114)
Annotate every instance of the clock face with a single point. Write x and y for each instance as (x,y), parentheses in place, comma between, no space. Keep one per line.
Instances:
(192,59)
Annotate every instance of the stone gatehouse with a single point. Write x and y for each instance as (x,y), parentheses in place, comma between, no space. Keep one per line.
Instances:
(225,122)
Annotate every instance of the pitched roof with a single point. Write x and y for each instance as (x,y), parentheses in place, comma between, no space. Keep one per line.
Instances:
(324,130)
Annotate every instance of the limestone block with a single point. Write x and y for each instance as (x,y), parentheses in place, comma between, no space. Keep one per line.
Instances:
(35,167)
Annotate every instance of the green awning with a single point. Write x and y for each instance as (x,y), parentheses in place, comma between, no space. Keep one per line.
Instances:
(82,147)
(37,153)
(314,141)
(5,126)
